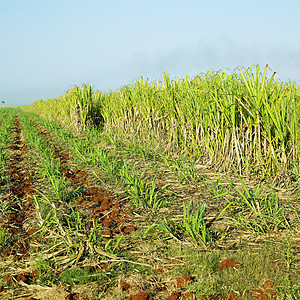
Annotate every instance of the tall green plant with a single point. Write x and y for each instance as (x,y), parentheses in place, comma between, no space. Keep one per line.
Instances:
(241,121)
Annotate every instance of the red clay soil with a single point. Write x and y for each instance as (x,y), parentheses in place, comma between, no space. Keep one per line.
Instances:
(175,296)
(183,281)
(228,263)
(20,210)
(263,294)
(18,195)
(125,286)
(95,203)
(70,296)
(140,296)
(191,296)
(26,277)
(266,292)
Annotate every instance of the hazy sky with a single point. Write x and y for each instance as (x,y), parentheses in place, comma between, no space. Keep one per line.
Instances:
(47,46)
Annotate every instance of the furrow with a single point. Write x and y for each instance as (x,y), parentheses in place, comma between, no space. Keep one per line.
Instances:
(21,208)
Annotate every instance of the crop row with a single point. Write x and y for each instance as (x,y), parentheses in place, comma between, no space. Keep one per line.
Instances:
(266,210)
(86,234)
(242,121)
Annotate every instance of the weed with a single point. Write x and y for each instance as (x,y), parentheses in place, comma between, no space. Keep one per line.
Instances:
(194,223)
(142,193)
(80,276)
(261,213)
(165,227)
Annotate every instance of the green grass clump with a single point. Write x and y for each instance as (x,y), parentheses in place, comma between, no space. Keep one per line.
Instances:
(80,276)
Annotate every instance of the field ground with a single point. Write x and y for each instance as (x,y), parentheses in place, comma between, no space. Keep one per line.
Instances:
(91,217)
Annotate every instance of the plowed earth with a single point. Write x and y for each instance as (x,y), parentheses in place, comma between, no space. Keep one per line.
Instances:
(19,218)
(18,195)
(94,203)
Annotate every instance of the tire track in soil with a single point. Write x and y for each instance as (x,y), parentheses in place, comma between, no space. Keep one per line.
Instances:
(20,212)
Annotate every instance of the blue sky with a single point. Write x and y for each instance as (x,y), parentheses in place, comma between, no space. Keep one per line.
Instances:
(47,46)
